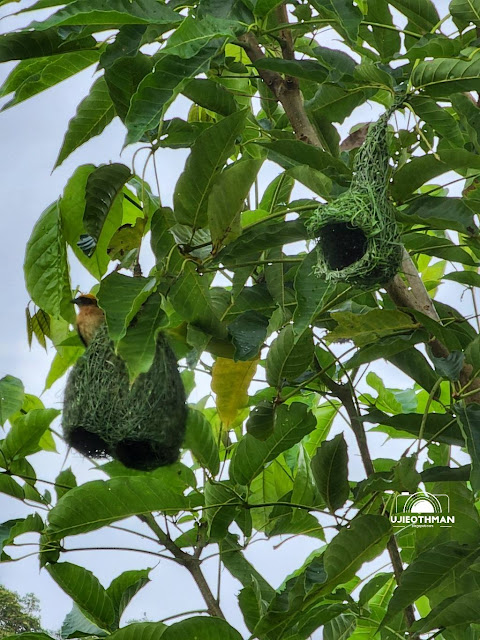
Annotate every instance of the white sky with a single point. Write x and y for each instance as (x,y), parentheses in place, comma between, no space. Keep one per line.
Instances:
(31,135)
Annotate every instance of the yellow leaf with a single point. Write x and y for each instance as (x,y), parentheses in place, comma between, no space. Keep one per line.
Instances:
(230,382)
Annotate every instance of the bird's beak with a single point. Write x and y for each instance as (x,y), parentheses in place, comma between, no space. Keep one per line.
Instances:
(74,301)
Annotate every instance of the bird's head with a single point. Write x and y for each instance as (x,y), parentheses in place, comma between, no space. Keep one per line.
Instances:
(85,300)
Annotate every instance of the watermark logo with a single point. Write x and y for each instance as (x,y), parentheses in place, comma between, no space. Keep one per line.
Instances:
(422,509)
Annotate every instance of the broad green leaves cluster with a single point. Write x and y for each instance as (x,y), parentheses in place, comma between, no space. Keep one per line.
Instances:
(233,289)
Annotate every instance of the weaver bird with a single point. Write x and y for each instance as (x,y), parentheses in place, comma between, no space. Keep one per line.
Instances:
(89,318)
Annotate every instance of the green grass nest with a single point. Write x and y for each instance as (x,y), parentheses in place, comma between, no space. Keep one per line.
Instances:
(357,235)
(141,425)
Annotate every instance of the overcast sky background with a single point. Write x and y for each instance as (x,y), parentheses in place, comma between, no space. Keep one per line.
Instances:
(31,135)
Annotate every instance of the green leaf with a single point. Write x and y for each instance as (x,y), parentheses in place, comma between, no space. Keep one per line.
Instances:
(468,417)
(439,118)
(457,610)
(97,504)
(438,247)
(209,153)
(76,623)
(415,365)
(14,528)
(193,34)
(450,366)
(468,278)
(469,115)
(464,12)
(330,470)
(289,356)
(61,363)
(305,69)
(385,348)
(23,438)
(162,240)
(124,587)
(11,397)
(262,7)
(29,635)
(261,420)
(23,45)
(422,14)
(341,627)
(439,213)
(386,41)
(64,482)
(190,297)
(121,297)
(291,153)
(437,426)
(366,328)
(10,486)
(240,568)
(344,12)
(141,631)
(277,194)
(72,207)
(31,77)
(210,95)
(177,476)
(421,169)
(428,571)
(372,75)
(123,78)
(227,200)
(259,237)
(218,512)
(310,292)
(46,266)
(364,540)
(443,76)
(126,44)
(137,347)
(200,439)
(435,45)
(85,589)
(292,423)
(93,114)
(334,102)
(248,332)
(158,90)
(115,12)
(201,628)
(103,186)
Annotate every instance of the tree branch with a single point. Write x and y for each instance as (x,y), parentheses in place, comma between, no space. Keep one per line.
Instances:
(344,394)
(191,563)
(416,297)
(286,91)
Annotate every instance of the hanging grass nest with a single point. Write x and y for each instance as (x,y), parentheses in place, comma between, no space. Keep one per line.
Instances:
(357,235)
(142,425)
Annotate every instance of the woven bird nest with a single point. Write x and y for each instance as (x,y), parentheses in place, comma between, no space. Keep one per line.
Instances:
(357,235)
(142,425)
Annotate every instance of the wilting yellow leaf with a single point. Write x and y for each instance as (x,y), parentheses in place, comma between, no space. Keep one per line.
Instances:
(230,382)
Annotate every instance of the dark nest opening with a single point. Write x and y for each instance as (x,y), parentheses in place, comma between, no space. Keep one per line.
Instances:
(342,244)
(87,443)
(144,455)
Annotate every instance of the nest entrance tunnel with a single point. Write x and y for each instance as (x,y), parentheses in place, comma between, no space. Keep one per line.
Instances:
(342,244)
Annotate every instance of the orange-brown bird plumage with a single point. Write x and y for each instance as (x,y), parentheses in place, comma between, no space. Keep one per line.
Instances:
(89,318)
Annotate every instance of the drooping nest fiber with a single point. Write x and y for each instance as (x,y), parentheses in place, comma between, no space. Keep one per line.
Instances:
(142,425)
(357,235)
